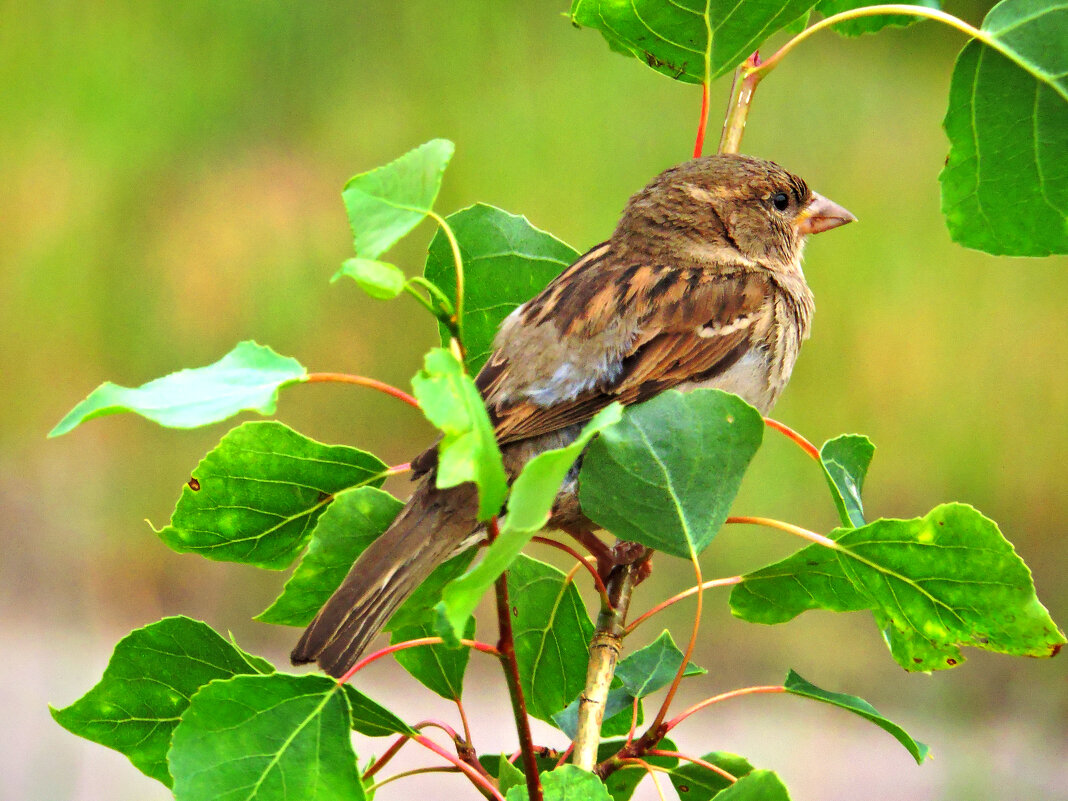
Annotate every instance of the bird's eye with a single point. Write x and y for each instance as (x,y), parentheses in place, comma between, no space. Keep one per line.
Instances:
(780,201)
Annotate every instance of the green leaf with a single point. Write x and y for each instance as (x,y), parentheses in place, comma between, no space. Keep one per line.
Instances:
(508,775)
(386,203)
(936,583)
(760,785)
(256,496)
(666,475)
(648,669)
(617,718)
(845,461)
(565,783)
(798,686)
(468,449)
(858,27)
(355,519)
(371,718)
(1005,183)
(622,783)
(246,378)
(146,686)
(529,505)
(673,37)
(552,634)
(266,737)
(439,668)
(377,278)
(507,261)
(696,783)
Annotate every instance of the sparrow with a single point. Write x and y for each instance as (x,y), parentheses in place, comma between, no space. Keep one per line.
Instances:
(700,285)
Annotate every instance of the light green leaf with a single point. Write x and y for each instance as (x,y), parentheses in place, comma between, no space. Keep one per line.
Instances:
(245,379)
(552,633)
(617,718)
(468,449)
(759,785)
(355,519)
(862,25)
(507,261)
(266,738)
(936,583)
(377,278)
(386,203)
(674,37)
(1005,183)
(439,668)
(257,495)
(529,506)
(798,686)
(565,783)
(696,783)
(371,718)
(648,669)
(845,462)
(666,475)
(152,674)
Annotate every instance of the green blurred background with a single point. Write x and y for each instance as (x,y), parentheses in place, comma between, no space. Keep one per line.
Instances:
(171,177)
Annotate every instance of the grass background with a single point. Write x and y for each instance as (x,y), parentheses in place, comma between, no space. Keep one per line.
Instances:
(171,186)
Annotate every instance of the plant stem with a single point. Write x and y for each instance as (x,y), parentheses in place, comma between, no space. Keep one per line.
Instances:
(708,585)
(734,124)
(406,773)
(604,653)
(801,442)
(459,262)
(506,647)
(706,765)
(363,381)
(463,721)
(790,528)
(485,648)
(481,782)
(699,145)
(601,589)
(387,756)
(675,721)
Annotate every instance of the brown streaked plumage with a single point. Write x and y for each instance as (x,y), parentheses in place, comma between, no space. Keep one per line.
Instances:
(699,285)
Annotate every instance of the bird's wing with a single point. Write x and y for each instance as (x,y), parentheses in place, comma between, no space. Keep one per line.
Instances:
(689,324)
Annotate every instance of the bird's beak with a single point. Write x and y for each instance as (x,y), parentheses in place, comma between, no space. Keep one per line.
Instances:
(821,214)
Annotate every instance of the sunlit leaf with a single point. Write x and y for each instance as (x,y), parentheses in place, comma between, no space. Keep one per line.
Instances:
(798,686)
(386,203)
(507,261)
(257,495)
(246,378)
(468,450)
(1005,184)
(529,506)
(377,278)
(673,37)
(759,785)
(152,674)
(845,461)
(936,583)
(666,475)
(267,738)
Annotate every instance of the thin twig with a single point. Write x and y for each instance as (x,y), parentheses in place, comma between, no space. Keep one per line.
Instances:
(463,720)
(804,533)
(485,648)
(480,781)
(580,559)
(734,124)
(708,585)
(651,770)
(406,773)
(363,381)
(706,765)
(387,756)
(675,721)
(459,262)
(801,442)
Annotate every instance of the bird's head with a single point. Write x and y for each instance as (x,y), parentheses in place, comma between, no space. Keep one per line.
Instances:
(730,207)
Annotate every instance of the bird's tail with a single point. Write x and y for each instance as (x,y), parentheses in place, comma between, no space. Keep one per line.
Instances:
(428,529)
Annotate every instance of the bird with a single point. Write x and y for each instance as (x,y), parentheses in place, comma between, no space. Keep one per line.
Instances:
(700,285)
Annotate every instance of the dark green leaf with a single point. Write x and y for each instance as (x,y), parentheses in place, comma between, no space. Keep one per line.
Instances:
(845,461)
(696,783)
(386,203)
(565,783)
(648,669)
(529,505)
(798,686)
(760,785)
(936,583)
(468,450)
(862,25)
(666,475)
(371,718)
(507,261)
(146,686)
(259,493)
(439,668)
(377,278)
(355,519)
(552,635)
(1005,184)
(673,37)
(622,782)
(246,378)
(266,737)
(618,713)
